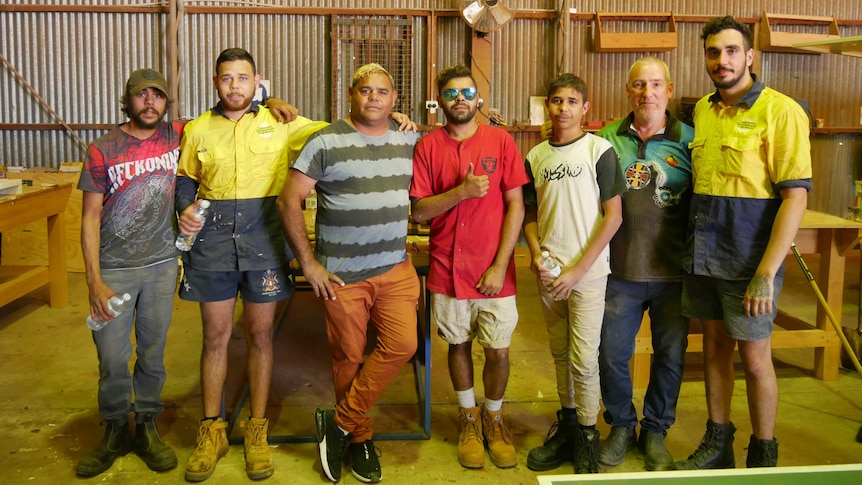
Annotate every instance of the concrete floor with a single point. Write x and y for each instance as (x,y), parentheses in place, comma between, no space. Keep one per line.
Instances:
(49,418)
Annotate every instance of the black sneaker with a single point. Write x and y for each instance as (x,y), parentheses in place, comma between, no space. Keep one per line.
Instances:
(366,466)
(331,442)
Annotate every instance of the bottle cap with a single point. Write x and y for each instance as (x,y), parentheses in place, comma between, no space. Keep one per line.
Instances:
(127,296)
(546,254)
(205,204)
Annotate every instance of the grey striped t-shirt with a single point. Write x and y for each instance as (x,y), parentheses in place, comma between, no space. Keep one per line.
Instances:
(363,199)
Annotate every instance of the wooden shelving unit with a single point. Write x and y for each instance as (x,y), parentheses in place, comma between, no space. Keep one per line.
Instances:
(637,41)
(775,41)
(839,130)
(848,46)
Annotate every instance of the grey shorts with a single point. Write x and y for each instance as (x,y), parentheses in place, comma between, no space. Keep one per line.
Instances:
(253,286)
(716,299)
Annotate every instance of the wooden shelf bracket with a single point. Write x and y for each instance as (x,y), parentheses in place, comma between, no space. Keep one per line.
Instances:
(637,41)
(775,41)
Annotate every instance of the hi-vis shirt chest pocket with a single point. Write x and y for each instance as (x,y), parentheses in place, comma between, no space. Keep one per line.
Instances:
(741,154)
(268,158)
(729,166)
(217,167)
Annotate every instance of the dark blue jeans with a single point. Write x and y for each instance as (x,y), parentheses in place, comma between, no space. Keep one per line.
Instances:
(625,303)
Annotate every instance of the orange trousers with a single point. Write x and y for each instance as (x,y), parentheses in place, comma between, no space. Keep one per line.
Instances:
(388,301)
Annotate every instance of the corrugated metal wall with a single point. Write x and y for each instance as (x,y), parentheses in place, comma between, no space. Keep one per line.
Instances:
(78,61)
(291,51)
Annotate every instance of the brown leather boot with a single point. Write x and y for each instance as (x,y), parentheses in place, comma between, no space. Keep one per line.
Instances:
(498,439)
(471,451)
(212,445)
(258,457)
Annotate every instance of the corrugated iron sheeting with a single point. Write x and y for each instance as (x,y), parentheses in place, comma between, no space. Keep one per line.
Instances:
(453,42)
(292,51)
(519,67)
(78,63)
(390,4)
(739,8)
(289,50)
(25,148)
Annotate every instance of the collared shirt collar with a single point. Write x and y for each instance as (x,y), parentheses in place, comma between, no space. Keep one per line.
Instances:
(672,130)
(748,98)
(253,109)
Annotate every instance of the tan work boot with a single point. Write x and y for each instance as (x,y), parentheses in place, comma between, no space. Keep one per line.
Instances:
(258,458)
(212,445)
(498,439)
(471,451)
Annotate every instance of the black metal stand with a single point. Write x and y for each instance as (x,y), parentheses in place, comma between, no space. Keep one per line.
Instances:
(421,372)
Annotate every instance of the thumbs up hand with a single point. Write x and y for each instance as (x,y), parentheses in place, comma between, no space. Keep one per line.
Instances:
(475,186)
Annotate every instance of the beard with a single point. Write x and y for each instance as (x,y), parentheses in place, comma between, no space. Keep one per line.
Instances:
(241,104)
(140,122)
(460,117)
(727,83)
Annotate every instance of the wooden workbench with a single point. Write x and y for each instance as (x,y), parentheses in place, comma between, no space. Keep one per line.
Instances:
(37,203)
(831,237)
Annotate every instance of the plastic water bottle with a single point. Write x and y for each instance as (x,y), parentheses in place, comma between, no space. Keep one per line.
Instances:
(550,264)
(185,243)
(117,304)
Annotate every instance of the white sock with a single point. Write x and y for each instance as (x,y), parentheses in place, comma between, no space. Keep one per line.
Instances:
(493,405)
(466,399)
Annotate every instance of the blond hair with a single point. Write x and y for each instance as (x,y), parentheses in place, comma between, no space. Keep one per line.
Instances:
(646,60)
(368,70)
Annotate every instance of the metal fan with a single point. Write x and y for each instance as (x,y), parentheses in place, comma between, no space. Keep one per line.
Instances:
(485,15)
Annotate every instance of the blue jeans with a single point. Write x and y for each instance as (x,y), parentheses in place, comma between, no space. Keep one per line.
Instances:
(152,289)
(625,304)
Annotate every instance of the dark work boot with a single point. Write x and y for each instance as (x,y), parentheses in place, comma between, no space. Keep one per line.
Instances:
(586,454)
(116,442)
(149,445)
(618,443)
(557,448)
(762,453)
(715,450)
(656,456)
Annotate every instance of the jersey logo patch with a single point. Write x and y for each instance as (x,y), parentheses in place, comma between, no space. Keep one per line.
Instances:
(489,164)
(638,175)
(671,161)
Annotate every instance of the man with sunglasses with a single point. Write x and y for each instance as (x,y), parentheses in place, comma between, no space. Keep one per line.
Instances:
(467,179)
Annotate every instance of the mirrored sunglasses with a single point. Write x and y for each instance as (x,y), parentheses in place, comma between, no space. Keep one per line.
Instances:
(451,93)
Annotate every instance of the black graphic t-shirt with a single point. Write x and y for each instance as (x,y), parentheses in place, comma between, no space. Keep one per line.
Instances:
(137,178)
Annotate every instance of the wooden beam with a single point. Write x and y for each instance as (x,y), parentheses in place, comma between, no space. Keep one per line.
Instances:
(480,55)
(55,126)
(173,74)
(82,8)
